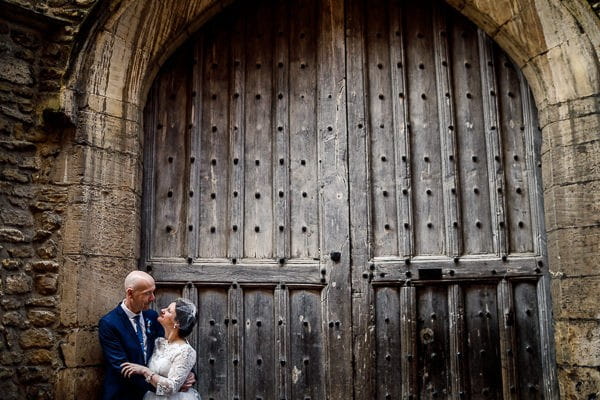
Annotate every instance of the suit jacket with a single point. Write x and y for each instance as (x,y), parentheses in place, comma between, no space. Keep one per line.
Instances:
(120,344)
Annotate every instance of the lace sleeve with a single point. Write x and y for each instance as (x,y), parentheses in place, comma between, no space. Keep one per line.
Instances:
(180,368)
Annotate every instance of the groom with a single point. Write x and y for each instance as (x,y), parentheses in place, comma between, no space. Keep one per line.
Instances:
(127,334)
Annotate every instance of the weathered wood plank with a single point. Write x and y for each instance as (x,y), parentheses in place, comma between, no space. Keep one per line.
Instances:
(237,159)
(517,188)
(235,359)
(225,272)
(426,172)
(258,199)
(447,124)
(508,344)
(303,188)
(214,347)
(477,225)
(190,292)
(259,342)
(281,158)
(381,131)
(307,347)
(456,326)
(547,347)
(489,93)
(150,127)
(433,342)
(283,381)
(408,338)
(359,198)
(482,335)
(333,175)
(443,268)
(533,162)
(528,352)
(170,187)
(214,143)
(195,142)
(401,122)
(388,348)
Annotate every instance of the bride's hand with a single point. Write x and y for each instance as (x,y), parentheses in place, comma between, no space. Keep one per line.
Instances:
(128,369)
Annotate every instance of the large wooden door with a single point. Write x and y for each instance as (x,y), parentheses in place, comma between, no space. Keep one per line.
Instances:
(247,200)
(350,192)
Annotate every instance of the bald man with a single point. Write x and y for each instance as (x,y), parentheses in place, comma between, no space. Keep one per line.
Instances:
(127,334)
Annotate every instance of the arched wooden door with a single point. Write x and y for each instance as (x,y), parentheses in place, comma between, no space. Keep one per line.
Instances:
(350,191)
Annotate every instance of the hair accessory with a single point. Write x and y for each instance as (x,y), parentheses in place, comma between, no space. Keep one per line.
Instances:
(185,316)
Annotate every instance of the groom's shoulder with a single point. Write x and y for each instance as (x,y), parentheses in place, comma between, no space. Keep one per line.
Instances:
(111,316)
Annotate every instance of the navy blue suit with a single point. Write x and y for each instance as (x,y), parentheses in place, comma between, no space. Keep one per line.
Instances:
(120,344)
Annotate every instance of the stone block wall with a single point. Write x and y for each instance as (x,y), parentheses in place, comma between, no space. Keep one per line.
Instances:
(36,38)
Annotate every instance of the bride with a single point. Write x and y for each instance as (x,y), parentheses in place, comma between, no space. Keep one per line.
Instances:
(173,358)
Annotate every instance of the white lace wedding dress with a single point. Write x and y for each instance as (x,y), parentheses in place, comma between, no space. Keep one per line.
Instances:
(173,362)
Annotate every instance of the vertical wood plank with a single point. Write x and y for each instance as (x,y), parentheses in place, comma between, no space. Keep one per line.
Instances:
(408,338)
(389,355)
(433,343)
(508,348)
(518,215)
(457,347)
(148,200)
(214,180)
(381,128)
(533,142)
(304,166)
(401,122)
(195,142)
(447,124)
(489,93)
(477,225)
(259,342)
(529,352)
(306,346)
(360,227)
(213,349)
(237,159)
(281,158)
(171,167)
(333,175)
(533,162)
(235,331)
(258,229)
(426,172)
(190,292)
(550,388)
(283,330)
(481,308)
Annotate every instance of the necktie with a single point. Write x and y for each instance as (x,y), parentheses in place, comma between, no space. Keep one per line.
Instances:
(140,335)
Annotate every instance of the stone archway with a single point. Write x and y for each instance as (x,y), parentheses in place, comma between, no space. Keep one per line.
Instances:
(555,44)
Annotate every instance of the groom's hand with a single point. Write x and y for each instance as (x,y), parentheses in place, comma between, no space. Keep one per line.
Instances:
(189,382)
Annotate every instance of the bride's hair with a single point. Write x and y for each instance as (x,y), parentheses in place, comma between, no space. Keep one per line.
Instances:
(185,316)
